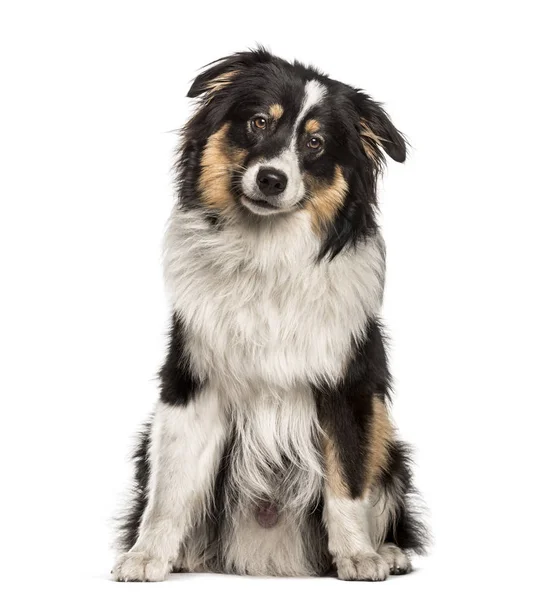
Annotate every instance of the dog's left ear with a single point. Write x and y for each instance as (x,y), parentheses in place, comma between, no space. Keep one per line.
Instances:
(377,130)
(221,73)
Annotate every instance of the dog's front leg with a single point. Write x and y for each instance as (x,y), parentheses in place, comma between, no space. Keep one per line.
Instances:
(186,446)
(356,431)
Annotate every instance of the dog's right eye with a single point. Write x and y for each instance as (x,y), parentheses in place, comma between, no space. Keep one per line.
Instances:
(259,123)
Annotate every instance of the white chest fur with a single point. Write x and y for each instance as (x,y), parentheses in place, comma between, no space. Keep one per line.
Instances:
(259,309)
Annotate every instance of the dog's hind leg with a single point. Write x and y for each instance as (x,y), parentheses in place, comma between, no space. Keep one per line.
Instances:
(185,449)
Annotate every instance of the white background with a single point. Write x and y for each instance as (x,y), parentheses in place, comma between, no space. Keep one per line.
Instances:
(91,95)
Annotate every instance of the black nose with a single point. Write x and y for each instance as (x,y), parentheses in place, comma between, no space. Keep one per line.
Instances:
(271,182)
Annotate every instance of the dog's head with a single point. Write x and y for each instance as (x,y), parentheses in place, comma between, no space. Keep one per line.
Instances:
(270,138)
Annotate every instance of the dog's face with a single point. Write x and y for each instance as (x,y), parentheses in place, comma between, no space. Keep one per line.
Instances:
(272,137)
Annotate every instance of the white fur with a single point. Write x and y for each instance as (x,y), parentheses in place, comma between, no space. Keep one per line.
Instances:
(356,529)
(275,458)
(282,550)
(287,161)
(383,514)
(367,566)
(185,450)
(398,562)
(360,524)
(314,92)
(262,313)
(277,433)
(349,523)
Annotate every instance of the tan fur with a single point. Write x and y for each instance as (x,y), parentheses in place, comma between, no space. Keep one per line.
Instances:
(312,126)
(325,200)
(370,141)
(381,435)
(334,473)
(219,83)
(276,111)
(218,163)
(369,150)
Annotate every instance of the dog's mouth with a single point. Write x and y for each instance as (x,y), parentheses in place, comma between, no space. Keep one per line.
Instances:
(259,207)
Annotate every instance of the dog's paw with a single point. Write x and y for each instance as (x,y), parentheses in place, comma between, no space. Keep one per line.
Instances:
(398,562)
(362,567)
(138,566)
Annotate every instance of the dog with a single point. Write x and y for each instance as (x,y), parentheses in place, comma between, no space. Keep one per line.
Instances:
(271,450)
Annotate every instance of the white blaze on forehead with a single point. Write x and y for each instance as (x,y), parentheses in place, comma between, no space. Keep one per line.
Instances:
(314,92)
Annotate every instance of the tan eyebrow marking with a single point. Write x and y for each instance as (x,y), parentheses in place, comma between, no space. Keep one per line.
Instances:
(312,126)
(276,111)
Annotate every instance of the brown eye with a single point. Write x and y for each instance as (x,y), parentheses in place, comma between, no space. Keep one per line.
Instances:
(314,143)
(259,123)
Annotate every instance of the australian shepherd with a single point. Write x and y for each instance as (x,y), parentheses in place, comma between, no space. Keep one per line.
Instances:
(271,450)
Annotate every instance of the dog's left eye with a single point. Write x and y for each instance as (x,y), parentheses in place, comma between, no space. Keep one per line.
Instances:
(314,143)
(259,123)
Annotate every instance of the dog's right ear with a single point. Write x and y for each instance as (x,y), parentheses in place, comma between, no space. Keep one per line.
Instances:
(222,72)
(378,131)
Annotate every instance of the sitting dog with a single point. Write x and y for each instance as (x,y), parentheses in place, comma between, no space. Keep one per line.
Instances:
(271,450)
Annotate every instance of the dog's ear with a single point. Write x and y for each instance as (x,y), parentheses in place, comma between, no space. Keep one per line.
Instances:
(378,131)
(222,72)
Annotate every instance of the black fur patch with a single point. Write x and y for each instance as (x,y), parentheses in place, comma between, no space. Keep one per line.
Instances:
(130,522)
(347,409)
(409,532)
(178,383)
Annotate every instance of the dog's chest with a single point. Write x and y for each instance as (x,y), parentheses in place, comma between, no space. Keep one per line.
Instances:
(265,310)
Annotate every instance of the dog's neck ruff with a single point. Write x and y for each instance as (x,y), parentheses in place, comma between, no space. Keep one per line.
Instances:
(260,309)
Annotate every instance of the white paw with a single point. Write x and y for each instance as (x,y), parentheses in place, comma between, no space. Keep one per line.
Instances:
(396,559)
(138,566)
(362,567)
